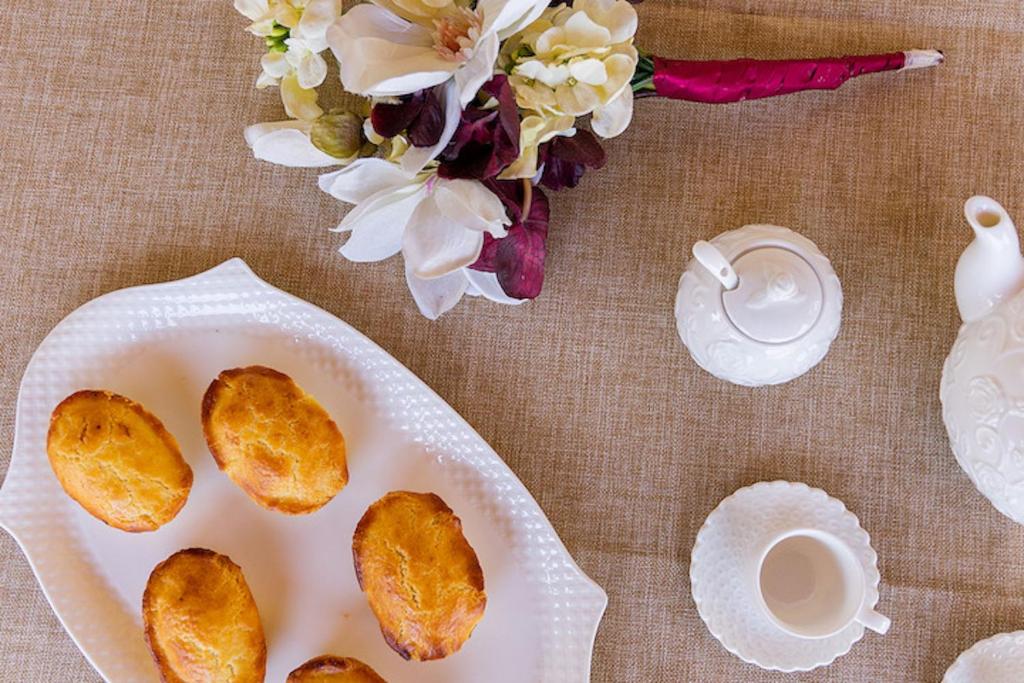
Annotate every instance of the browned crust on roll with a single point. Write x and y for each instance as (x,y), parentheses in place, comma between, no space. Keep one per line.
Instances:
(256,485)
(168,674)
(218,387)
(403,555)
(334,669)
(93,507)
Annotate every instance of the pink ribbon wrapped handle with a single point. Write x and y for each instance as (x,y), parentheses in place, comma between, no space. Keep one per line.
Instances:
(723,81)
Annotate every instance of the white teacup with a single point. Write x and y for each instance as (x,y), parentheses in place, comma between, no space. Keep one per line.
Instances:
(811,585)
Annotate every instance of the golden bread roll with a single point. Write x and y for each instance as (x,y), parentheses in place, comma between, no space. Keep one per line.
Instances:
(331,669)
(201,621)
(420,575)
(274,440)
(117,460)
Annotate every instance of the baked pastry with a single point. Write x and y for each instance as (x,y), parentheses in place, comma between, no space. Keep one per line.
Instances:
(420,575)
(117,460)
(201,621)
(274,440)
(331,669)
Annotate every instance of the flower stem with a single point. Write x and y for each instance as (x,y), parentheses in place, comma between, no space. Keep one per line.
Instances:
(527,197)
(643,78)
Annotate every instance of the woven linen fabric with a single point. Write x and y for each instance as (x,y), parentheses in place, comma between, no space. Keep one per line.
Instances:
(123,163)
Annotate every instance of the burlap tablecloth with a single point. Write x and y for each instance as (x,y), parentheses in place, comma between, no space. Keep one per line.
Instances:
(123,163)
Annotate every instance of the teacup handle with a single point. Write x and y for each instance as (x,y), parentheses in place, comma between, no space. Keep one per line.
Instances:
(871,619)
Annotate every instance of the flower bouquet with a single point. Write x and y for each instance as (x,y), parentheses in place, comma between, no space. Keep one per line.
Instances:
(470,110)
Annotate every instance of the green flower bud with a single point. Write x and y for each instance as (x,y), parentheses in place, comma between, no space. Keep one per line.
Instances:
(338,133)
(279,31)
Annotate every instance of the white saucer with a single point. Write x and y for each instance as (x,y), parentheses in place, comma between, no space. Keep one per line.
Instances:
(999,659)
(724,560)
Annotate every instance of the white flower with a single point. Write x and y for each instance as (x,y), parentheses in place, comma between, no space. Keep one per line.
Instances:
(287,143)
(299,68)
(576,60)
(397,47)
(437,224)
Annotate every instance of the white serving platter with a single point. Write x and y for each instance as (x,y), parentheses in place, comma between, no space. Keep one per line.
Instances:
(162,345)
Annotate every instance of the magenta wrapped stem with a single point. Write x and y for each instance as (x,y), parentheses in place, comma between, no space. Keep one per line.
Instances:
(722,81)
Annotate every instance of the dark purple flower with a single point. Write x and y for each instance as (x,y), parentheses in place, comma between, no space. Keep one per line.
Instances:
(565,159)
(518,258)
(487,140)
(420,115)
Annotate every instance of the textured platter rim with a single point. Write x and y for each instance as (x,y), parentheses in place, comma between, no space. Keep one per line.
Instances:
(593,599)
(713,624)
(975,650)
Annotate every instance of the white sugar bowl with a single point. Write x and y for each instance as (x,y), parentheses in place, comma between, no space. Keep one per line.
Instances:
(758,305)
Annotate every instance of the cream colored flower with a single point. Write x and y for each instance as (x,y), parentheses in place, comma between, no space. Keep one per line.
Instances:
(577,60)
(535,130)
(297,33)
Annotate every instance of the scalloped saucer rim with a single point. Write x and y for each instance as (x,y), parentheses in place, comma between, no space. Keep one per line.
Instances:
(725,628)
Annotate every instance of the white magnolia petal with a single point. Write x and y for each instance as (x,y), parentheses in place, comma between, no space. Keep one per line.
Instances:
(275,64)
(436,296)
(433,245)
(287,143)
(252,9)
(258,130)
(378,225)
(478,69)
(470,204)
(528,18)
(504,15)
(316,19)
(471,289)
(613,118)
(299,102)
(416,158)
(364,178)
(312,70)
(381,54)
(590,71)
(487,285)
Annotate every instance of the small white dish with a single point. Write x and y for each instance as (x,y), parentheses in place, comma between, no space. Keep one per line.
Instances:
(999,659)
(162,344)
(727,560)
(758,305)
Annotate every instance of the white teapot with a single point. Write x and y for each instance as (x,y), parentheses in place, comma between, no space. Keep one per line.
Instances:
(982,388)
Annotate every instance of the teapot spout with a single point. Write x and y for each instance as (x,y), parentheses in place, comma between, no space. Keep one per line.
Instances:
(991,268)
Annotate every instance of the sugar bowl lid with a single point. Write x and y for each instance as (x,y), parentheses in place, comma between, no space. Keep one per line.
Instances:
(758,305)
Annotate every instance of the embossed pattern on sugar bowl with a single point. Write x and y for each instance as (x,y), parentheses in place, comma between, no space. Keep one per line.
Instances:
(982,395)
